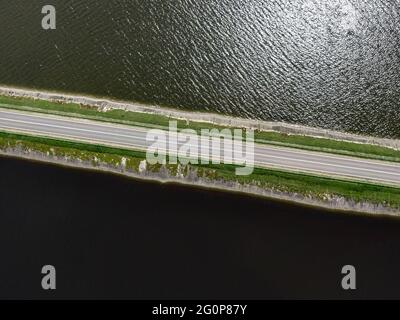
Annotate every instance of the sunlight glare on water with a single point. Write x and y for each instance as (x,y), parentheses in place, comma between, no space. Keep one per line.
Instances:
(331,64)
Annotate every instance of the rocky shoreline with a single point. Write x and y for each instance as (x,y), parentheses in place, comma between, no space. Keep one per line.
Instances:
(192,179)
(105,104)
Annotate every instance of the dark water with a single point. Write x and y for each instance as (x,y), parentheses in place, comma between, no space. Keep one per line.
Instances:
(333,64)
(111,237)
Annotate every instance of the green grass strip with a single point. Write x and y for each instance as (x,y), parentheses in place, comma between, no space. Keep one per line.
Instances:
(151,120)
(315,187)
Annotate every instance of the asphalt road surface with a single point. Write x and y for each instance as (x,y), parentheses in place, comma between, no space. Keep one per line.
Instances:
(135,138)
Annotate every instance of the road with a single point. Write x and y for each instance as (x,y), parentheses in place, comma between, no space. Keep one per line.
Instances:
(264,155)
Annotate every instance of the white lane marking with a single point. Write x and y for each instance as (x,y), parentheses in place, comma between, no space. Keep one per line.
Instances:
(256,154)
(325,173)
(68,128)
(67,119)
(145,130)
(265,165)
(330,165)
(257,146)
(210,148)
(76,138)
(323,155)
(262,165)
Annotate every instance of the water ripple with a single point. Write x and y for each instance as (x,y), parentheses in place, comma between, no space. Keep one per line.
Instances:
(329,64)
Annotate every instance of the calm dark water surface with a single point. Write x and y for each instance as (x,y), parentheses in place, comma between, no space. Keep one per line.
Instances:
(111,237)
(333,64)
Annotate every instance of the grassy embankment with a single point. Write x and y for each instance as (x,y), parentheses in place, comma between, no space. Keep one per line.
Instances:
(319,188)
(158,121)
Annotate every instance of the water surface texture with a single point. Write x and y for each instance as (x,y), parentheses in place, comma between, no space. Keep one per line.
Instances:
(333,64)
(112,237)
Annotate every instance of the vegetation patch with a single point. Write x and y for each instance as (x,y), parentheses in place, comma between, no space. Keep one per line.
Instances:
(313,187)
(152,120)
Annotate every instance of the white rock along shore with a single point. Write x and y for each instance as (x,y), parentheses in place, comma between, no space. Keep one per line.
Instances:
(222,120)
(338,204)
